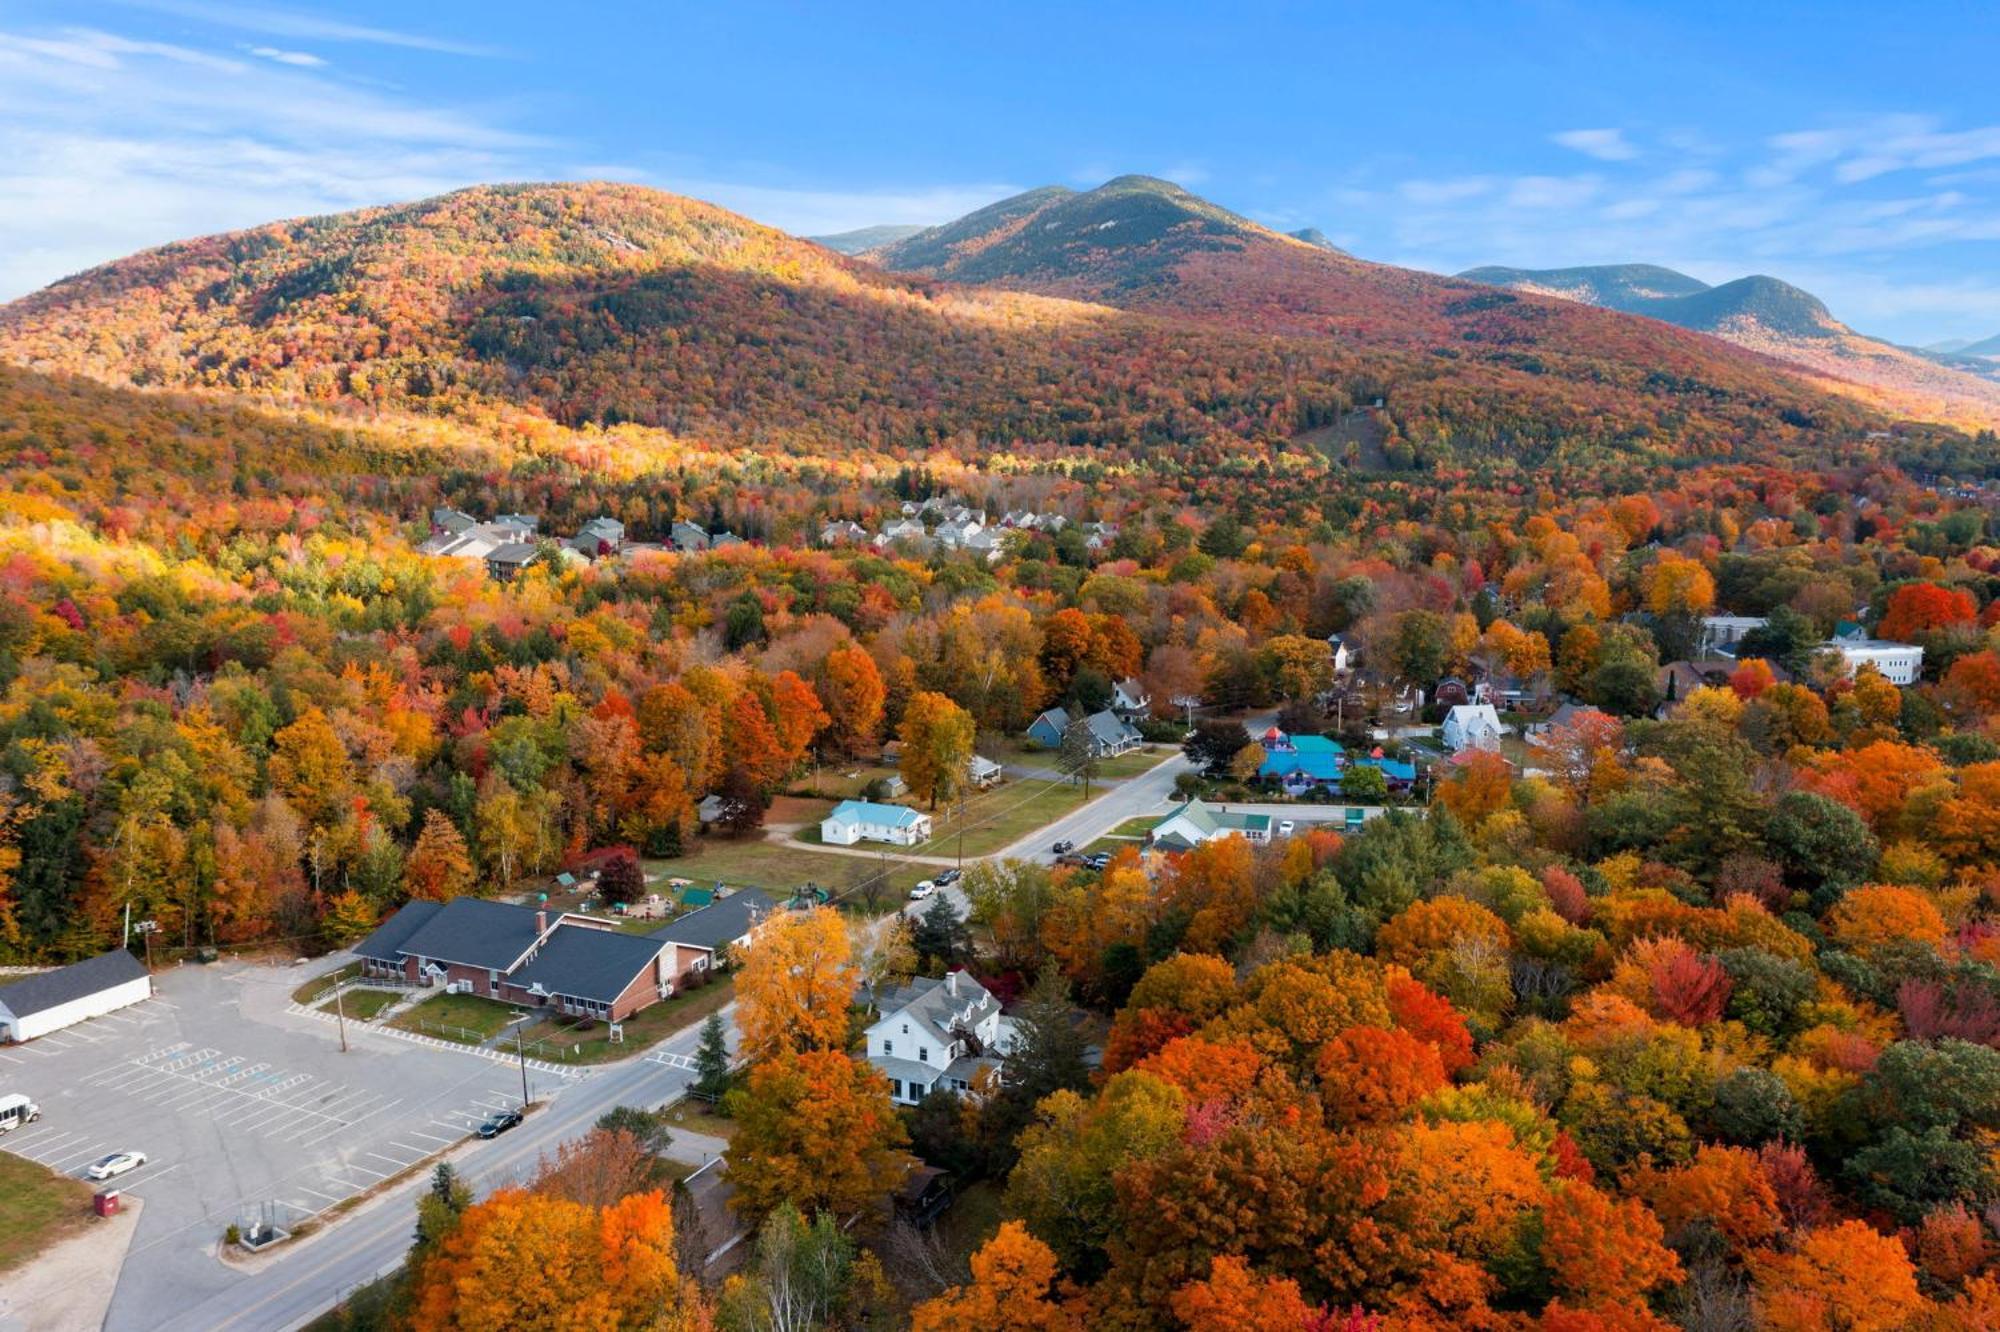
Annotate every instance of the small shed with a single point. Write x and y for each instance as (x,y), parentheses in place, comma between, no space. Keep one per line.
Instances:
(68,995)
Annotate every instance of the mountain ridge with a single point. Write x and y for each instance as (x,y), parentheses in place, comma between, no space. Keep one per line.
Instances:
(603,304)
(1766,314)
(862,239)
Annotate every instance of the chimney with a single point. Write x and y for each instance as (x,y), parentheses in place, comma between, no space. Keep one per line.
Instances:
(951,983)
(541,922)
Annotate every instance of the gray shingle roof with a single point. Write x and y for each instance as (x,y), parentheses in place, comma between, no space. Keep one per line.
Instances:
(51,989)
(712,926)
(930,1001)
(1111,729)
(474,932)
(386,944)
(587,963)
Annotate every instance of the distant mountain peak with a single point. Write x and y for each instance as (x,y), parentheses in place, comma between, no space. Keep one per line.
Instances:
(863,239)
(1769,315)
(1139,224)
(1664,293)
(1314,236)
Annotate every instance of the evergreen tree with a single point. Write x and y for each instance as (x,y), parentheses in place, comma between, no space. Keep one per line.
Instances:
(711,1061)
(941,937)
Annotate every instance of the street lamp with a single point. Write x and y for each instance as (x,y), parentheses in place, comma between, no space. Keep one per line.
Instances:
(522,1052)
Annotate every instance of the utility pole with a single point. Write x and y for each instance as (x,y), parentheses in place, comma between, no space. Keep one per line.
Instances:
(340,1012)
(146,928)
(522,1051)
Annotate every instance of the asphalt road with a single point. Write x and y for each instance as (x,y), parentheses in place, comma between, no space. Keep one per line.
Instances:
(294,1287)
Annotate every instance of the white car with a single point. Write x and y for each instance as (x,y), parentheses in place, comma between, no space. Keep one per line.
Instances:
(105,1167)
(922,890)
(1285,827)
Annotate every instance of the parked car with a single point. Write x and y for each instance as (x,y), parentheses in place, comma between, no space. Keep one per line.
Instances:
(1285,827)
(1063,847)
(499,1123)
(109,1167)
(1097,860)
(946,878)
(923,890)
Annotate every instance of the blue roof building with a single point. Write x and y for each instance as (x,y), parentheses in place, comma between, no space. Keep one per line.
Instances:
(1305,761)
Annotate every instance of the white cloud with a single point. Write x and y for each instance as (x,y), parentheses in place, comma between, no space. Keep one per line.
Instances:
(275,22)
(1606,145)
(303,59)
(109,145)
(1539,192)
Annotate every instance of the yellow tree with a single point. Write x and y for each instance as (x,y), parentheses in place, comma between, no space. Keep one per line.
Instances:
(937,737)
(309,766)
(853,693)
(440,865)
(1676,585)
(795,985)
(814,1129)
(526,1260)
(1010,1291)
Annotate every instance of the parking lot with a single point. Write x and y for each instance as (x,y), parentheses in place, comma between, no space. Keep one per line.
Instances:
(245,1111)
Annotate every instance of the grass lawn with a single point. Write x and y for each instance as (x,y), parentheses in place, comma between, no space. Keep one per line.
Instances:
(363,1005)
(779,866)
(1135,828)
(1142,759)
(320,985)
(468,1019)
(841,781)
(581,1041)
(1002,816)
(695,1117)
(38,1207)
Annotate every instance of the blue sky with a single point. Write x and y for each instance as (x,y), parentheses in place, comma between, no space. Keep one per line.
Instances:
(1852,149)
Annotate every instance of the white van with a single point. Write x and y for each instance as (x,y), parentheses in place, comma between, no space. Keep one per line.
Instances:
(16,1110)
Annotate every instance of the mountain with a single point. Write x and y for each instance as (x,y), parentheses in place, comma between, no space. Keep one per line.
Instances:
(1985,347)
(1768,315)
(1662,293)
(1314,236)
(866,238)
(1134,322)
(1945,348)
(1627,287)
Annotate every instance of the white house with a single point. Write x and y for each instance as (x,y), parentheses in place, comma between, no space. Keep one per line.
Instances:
(1900,663)
(982,772)
(1130,699)
(936,1035)
(1472,726)
(1720,634)
(1343,657)
(865,821)
(52,1000)
(1194,823)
